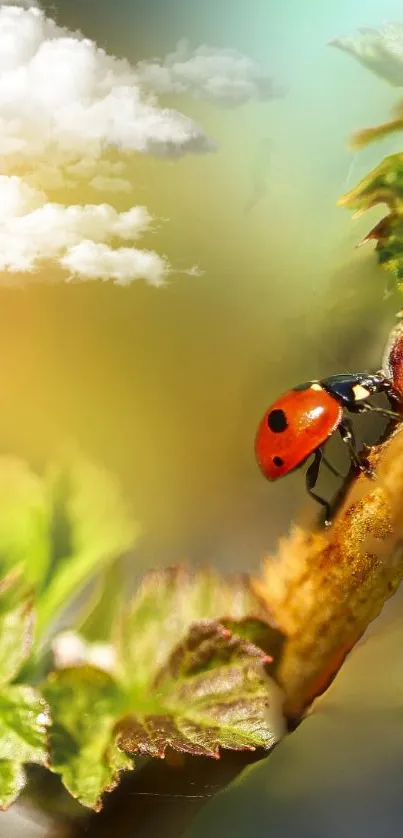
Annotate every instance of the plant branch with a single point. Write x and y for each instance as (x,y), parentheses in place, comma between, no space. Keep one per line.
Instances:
(323,588)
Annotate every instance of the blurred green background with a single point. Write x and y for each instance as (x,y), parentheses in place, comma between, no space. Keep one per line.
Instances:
(165,387)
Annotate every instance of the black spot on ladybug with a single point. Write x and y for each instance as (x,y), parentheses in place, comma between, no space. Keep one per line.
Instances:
(278,461)
(277,421)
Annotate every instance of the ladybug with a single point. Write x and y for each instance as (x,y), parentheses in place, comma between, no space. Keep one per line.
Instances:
(302,420)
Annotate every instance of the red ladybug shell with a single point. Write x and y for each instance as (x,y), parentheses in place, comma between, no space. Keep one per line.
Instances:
(294,427)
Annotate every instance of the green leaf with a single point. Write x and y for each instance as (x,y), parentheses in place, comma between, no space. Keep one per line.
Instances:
(16,623)
(12,782)
(23,737)
(104,607)
(258,632)
(339,773)
(211,694)
(24,521)
(384,185)
(379,50)
(100,529)
(23,722)
(193,686)
(85,704)
(160,654)
(167,603)
(23,712)
(62,530)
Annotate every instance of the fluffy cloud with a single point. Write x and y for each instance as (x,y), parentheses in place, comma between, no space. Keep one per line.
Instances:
(71,116)
(380,50)
(33,230)
(91,260)
(61,94)
(64,105)
(223,76)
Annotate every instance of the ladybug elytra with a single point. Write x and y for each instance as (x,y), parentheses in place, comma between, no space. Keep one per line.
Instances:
(302,420)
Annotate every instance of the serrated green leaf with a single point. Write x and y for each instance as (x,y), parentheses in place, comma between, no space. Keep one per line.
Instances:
(384,185)
(196,687)
(100,529)
(85,705)
(212,694)
(167,603)
(339,773)
(24,521)
(23,737)
(166,665)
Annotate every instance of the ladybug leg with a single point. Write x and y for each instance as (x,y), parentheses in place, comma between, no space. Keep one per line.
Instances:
(310,481)
(367,407)
(347,434)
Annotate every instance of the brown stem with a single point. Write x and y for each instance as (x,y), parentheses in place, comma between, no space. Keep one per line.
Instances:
(324,588)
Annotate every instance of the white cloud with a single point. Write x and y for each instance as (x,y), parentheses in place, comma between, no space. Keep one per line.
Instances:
(34,230)
(70,117)
(90,260)
(222,76)
(62,95)
(64,105)
(380,50)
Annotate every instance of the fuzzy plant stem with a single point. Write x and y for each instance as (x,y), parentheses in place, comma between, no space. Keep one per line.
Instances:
(323,588)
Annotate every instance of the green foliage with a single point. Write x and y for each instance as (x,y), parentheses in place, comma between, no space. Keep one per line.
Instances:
(85,705)
(166,604)
(384,185)
(56,533)
(98,530)
(212,694)
(182,680)
(60,531)
(381,52)
(182,665)
(97,618)
(23,712)
(25,521)
(198,684)
(339,773)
